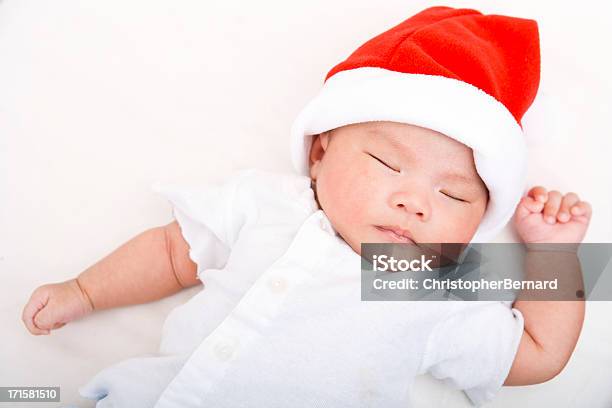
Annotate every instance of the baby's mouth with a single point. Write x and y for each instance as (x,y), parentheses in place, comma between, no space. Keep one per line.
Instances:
(395,234)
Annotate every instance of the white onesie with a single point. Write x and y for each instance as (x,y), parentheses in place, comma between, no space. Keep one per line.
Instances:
(280,321)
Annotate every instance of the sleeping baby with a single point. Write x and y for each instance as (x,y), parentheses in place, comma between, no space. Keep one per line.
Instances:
(415,138)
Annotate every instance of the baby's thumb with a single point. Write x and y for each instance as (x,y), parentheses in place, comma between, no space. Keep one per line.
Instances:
(46,318)
(526,207)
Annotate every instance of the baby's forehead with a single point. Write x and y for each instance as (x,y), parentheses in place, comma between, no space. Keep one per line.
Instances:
(410,143)
(393,131)
(410,140)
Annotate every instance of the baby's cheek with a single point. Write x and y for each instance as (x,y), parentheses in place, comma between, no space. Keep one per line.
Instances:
(344,204)
(462,227)
(345,201)
(362,212)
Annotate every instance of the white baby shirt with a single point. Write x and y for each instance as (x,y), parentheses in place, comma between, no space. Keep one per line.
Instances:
(280,321)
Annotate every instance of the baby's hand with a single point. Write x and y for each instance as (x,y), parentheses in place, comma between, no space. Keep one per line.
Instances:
(550,217)
(53,305)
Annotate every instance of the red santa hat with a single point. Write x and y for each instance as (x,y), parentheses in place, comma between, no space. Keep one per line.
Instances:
(455,71)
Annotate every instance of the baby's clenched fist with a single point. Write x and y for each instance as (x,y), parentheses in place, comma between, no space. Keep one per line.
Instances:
(53,305)
(550,217)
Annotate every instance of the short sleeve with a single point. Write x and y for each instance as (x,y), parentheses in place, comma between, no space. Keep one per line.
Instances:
(210,219)
(473,348)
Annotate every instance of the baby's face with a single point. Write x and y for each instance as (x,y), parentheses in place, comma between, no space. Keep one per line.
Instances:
(375,177)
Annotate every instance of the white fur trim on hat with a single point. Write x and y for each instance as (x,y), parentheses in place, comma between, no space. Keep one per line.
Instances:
(449,106)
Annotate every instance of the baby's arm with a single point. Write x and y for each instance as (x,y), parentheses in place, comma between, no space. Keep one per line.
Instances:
(150,266)
(552,328)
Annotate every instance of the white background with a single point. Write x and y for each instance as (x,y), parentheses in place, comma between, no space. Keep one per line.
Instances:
(100,99)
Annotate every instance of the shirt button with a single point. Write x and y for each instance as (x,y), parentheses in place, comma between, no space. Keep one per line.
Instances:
(326,226)
(278,285)
(224,350)
(368,396)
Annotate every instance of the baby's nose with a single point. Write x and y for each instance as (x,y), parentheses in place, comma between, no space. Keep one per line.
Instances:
(412,203)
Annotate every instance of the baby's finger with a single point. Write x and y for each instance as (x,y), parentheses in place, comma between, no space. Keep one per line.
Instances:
(29,312)
(538,193)
(29,323)
(528,206)
(45,319)
(581,219)
(567,202)
(552,206)
(582,208)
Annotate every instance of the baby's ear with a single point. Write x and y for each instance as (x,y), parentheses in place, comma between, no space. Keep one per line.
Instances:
(317,151)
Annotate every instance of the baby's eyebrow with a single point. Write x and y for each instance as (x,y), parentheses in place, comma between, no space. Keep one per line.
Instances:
(460,178)
(405,150)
